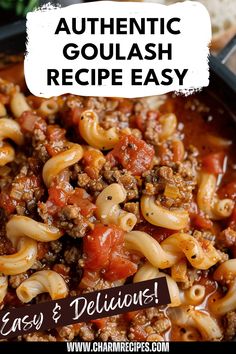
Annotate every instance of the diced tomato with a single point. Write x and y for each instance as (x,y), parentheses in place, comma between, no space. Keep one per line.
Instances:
(104,251)
(133,154)
(97,246)
(120,268)
(76,114)
(82,199)
(139,333)
(30,121)
(140,122)
(57,196)
(228,190)
(201,221)
(90,156)
(27,121)
(213,163)
(72,115)
(52,149)
(7,203)
(100,322)
(55,133)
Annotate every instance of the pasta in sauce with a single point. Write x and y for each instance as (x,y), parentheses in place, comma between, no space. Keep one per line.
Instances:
(97,192)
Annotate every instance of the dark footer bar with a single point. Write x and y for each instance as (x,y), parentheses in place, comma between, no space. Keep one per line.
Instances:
(122,347)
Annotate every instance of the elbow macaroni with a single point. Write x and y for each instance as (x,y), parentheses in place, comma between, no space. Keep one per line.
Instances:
(226,272)
(109,211)
(18,104)
(9,129)
(194,295)
(24,226)
(94,134)
(187,316)
(160,216)
(207,200)
(23,259)
(23,233)
(41,282)
(172,249)
(61,161)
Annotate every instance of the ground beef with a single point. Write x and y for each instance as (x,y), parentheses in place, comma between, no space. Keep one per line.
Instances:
(5,244)
(89,184)
(68,219)
(83,180)
(125,178)
(189,168)
(56,246)
(115,329)
(39,144)
(72,255)
(74,224)
(152,131)
(70,212)
(39,337)
(133,208)
(25,191)
(67,333)
(157,180)
(86,332)
(100,104)
(52,254)
(229,322)
(114,119)
(147,322)
(99,284)
(16,280)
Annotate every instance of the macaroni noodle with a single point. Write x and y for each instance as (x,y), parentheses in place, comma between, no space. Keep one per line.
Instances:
(109,211)
(61,161)
(160,216)
(94,134)
(41,282)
